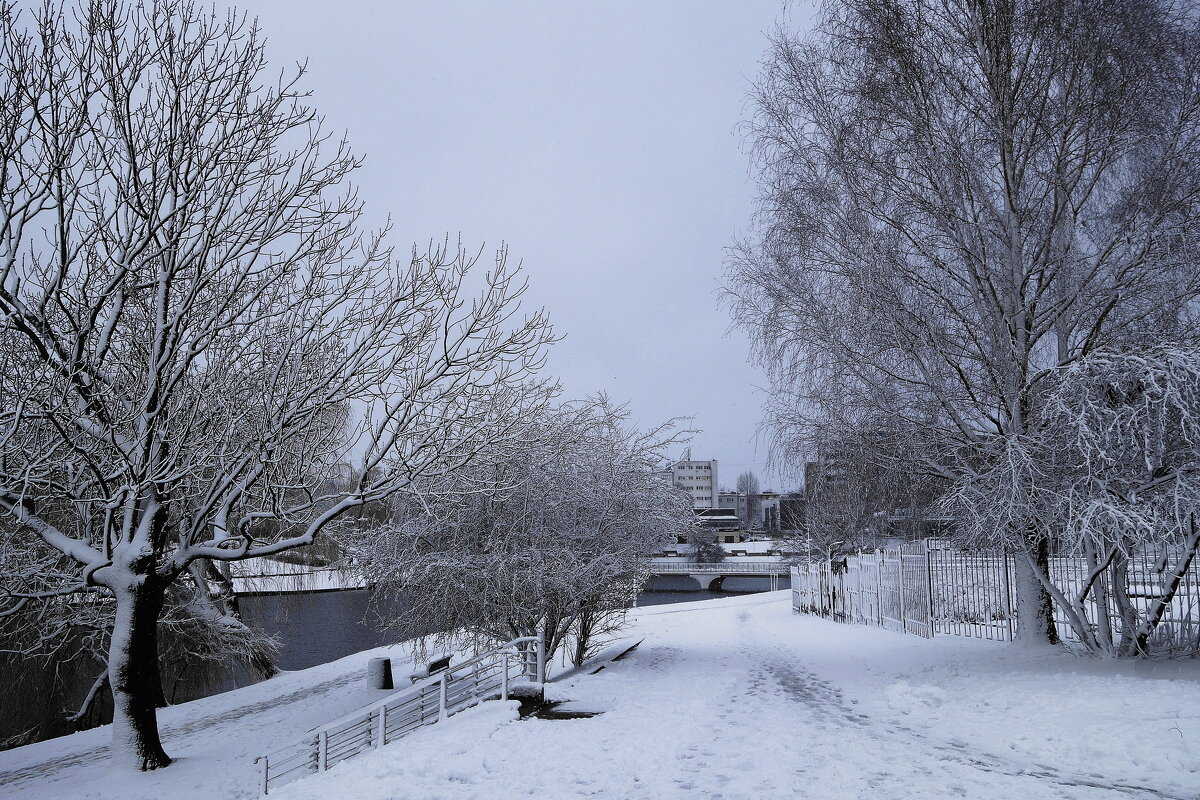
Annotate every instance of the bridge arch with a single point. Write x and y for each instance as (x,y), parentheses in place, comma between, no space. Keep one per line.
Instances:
(712,577)
(710,582)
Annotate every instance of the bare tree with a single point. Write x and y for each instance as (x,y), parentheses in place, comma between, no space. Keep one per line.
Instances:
(553,538)
(958,198)
(747,487)
(704,546)
(854,494)
(195,337)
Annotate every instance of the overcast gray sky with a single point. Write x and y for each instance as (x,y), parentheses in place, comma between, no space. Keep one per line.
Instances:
(599,140)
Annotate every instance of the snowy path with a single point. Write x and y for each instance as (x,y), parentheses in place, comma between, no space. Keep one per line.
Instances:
(183,735)
(723,700)
(721,703)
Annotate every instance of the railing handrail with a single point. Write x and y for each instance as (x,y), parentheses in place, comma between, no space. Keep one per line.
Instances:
(780,567)
(416,690)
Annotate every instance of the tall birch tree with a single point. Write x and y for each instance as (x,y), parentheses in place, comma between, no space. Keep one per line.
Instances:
(957,198)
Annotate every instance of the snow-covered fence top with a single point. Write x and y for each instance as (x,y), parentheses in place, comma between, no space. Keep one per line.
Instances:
(486,676)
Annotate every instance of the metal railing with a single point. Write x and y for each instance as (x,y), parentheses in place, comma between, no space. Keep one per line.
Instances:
(426,702)
(723,567)
(934,587)
(889,588)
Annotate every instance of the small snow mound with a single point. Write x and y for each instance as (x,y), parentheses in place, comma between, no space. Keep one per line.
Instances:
(906,698)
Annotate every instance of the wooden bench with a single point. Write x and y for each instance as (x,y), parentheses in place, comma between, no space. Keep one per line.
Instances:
(436,664)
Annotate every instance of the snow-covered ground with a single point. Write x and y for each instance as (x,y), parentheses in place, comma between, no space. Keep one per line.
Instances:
(735,698)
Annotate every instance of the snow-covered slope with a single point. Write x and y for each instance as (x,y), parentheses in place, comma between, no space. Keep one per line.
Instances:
(214,741)
(735,698)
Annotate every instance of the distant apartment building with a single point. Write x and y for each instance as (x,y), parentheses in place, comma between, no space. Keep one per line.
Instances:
(698,479)
(792,507)
(759,512)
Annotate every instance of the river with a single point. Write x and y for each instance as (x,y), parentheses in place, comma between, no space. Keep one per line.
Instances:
(317,627)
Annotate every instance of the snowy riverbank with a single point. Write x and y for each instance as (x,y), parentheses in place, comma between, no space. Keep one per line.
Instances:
(734,698)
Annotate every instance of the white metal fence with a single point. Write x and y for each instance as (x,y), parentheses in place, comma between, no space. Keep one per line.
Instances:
(971,591)
(460,686)
(934,587)
(889,588)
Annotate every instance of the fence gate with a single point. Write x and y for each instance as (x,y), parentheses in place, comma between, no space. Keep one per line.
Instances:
(904,590)
(972,591)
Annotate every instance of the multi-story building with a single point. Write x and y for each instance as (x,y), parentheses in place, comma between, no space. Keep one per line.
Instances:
(791,511)
(699,479)
(759,511)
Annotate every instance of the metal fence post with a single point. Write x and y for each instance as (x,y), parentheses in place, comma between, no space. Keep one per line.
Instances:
(541,658)
(900,585)
(504,679)
(322,751)
(878,588)
(263,774)
(929,583)
(1008,614)
(382,733)
(442,697)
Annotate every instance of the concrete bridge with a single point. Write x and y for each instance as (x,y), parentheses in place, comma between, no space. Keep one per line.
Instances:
(710,576)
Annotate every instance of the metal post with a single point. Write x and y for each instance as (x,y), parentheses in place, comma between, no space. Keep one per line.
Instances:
(878,589)
(541,659)
(929,584)
(1008,616)
(442,697)
(263,773)
(382,733)
(504,680)
(322,751)
(900,582)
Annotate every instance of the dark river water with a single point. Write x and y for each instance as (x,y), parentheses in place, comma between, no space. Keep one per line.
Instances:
(317,627)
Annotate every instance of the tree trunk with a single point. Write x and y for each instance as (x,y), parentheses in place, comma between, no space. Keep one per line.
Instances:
(134,675)
(1035,608)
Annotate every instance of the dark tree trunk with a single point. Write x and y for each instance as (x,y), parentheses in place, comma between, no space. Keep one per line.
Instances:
(134,675)
(1046,626)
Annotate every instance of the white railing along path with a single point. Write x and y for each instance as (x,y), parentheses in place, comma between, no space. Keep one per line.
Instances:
(426,702)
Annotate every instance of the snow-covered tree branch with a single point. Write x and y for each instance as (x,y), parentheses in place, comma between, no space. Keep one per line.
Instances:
(1112,475)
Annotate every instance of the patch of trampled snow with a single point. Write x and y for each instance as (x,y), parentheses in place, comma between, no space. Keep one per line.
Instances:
(904,698)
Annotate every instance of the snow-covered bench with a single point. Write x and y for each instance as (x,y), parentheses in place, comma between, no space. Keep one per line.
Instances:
(435,665)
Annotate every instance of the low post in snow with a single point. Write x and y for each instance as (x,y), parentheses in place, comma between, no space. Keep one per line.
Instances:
(379,673)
